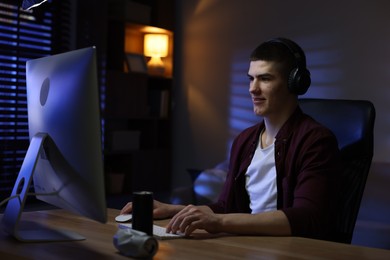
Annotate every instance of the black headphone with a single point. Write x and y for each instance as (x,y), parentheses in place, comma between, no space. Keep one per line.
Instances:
(299,78)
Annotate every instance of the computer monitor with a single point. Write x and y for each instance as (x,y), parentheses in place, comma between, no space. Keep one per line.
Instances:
(64,158)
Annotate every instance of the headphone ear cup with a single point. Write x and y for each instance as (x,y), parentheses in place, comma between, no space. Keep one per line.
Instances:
(299,77)
(299,81)
(292,84)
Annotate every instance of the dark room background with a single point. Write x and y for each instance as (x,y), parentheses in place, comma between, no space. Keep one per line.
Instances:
(348,53)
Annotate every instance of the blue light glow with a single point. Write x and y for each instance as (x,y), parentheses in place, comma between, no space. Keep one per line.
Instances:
(38,33)
(36,26)
(33,39)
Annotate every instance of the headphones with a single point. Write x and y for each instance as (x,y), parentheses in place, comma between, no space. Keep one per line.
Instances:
(299,78)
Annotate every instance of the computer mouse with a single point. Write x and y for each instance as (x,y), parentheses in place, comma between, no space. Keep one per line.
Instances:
(123,218)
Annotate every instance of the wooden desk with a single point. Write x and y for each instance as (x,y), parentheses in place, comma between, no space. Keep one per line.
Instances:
(98,244)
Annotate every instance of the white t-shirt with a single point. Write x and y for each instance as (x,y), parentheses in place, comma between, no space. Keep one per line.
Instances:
(261,180)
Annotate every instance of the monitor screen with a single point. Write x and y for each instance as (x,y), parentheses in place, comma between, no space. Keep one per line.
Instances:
(64,160)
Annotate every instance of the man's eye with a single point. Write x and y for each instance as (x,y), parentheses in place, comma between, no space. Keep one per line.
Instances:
(266,79)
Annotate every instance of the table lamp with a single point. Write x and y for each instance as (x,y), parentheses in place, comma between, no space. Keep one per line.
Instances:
(156,47)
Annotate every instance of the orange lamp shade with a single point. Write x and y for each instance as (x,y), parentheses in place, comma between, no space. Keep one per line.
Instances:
(156,45)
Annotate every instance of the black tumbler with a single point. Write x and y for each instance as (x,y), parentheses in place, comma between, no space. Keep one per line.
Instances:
(143,212)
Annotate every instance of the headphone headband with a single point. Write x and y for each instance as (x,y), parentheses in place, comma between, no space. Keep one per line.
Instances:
(294,49)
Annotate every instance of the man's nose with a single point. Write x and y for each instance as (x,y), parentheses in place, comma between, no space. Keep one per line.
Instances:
(254,87)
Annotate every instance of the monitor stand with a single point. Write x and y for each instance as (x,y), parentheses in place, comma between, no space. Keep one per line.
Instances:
(28,231)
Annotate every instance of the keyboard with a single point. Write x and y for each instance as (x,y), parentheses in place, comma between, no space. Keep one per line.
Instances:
(158,232)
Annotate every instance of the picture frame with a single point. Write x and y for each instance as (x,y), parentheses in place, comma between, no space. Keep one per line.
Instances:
(136,63)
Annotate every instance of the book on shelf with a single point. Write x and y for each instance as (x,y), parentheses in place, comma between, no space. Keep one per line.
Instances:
(159,103)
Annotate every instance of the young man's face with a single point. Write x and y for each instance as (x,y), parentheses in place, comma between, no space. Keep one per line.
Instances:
(268,88)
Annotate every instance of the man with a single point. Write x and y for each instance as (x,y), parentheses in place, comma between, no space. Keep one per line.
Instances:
(282,171)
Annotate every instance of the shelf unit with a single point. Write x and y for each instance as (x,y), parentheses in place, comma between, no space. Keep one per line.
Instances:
(137,114)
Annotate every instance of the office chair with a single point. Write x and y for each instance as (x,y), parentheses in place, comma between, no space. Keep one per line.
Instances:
(352,121)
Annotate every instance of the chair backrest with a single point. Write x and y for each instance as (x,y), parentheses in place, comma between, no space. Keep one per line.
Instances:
(352,121)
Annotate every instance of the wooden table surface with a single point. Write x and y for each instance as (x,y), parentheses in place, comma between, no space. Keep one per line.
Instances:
(99,244)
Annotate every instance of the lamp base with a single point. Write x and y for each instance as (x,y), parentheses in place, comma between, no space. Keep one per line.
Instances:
(156,67)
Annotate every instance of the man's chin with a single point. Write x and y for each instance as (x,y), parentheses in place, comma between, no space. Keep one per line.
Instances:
(258,112)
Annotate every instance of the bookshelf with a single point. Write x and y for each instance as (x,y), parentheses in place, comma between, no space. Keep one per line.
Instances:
(137,114)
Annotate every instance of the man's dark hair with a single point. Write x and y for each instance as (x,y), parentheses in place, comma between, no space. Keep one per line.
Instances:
(276,50)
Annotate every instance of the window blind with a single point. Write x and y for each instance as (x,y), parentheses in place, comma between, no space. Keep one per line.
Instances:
(24,35)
